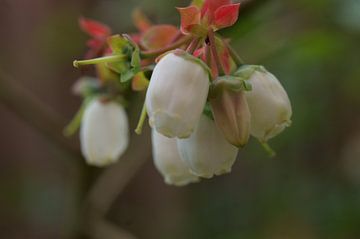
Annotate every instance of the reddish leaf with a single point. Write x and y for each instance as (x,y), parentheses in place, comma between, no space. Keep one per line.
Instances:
(226,16)
(94,28)
(190,17)
(158,36)
(141,22)
(95,43)
(210,6)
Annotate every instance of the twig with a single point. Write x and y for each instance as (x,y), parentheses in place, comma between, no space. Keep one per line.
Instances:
(32,110)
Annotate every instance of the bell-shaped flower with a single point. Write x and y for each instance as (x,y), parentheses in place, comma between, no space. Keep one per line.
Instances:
(269,103)
(177,94)
(206,152)
(230,110)
(104,132)
(168,162)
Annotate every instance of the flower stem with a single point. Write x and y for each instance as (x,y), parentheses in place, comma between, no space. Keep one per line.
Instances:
(238,60)
(193,45)
(155,53)
(214,52)
(271,153)
(105,59)
(140,124)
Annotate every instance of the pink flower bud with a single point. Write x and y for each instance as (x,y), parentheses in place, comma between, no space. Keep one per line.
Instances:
(231,113)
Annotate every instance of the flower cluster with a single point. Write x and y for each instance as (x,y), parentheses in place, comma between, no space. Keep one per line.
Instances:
(202,101)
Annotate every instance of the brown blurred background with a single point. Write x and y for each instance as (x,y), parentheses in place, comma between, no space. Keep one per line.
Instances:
(310,191)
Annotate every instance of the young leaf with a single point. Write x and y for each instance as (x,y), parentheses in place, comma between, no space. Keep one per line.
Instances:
(158,36)
(140,20)
(190,17)
(94,28)
(226,16)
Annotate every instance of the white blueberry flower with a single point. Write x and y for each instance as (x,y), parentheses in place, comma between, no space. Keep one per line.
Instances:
(268,102)
(177,94)
(206,152)
(104,132)
(168,162)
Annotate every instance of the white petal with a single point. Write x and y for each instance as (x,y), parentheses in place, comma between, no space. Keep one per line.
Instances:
(176,96)
(269,106)
(206,152)
(168,162)
(104,132)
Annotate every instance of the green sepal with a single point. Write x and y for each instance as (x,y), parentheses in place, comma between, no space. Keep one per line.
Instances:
(117,44)
(246,71)
(135,58)
(207,111)
(129,75)
(232,83)
(192,58)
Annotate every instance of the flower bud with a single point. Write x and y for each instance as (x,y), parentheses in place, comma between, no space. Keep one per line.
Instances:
(177,94)
(231,113)
(269,104)
(206,152)
(168,162)
(104,132)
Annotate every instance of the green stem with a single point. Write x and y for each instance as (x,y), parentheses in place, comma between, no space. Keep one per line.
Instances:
(193,45)
(140,124)
(177,44)
(271,153)
(74,125)
(234,55)
(105,59)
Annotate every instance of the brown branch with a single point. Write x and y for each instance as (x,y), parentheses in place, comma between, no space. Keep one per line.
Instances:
(111,184)
(32,110)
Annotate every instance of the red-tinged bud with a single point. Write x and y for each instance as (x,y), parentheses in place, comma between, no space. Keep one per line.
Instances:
(231,112)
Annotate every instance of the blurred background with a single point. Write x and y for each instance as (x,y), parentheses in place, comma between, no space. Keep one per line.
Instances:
(311,190)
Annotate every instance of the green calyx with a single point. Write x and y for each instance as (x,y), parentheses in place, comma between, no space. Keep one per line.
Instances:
(189,57)
(246,71)
(228,83)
